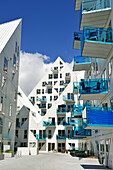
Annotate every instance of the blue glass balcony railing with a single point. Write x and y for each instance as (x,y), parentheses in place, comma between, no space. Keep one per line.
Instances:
(66,123)
(41,136)
(81,60)
(61,110)
(61,137)
(49,123)
(97,35)
(42,99)
(94,5)
(79,131)
(75,121)
(93,86)
(68,97)
(98,117)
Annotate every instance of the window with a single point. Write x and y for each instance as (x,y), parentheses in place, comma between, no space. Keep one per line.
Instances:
(67,81)
(49,134)
(23,144)
(49,82)
(50,98)
(62,82)
(44,83)
(49,105)
(16,47)
(60,75)
(61,90)
(3,81)
(55,97)
(50,76)
(42,91)
(38,91)
(16,133)
(60,120)
(49,91)
(55,82)
(5,67)
(40,145)
(61,67)
(55,76)
(55,68)
(25,134)
(23,120)
(61,63)
(56,90)
(14,60)
(67,74)
(34,132)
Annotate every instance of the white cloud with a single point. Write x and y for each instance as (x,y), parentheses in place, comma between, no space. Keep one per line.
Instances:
(32,68)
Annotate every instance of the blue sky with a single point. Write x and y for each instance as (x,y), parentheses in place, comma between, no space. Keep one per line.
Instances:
(48,25)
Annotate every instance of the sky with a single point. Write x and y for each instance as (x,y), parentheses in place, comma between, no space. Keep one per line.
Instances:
(47,30)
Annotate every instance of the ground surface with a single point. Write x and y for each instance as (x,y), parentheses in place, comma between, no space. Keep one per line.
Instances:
(49,161)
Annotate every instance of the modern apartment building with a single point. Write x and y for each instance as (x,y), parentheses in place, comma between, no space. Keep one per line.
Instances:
(10,38)
(95,43)
(27,119)
(61,124)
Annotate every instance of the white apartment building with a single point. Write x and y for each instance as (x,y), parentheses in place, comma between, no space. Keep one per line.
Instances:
(55,97)
(27,120)
(96,21)
(10,39)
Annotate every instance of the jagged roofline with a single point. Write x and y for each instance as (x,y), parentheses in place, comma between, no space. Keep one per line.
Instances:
(6,32)
(59,58)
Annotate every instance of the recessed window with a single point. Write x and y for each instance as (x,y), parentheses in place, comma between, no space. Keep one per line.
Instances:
(67,74)
(61,82)
(49,105)
(55,82)
(38,91)
(55,68)
(42,91)
(56,90)
(18,50)
(25,134)
(50,76)
(60,75)
(16,47)
(55,97)
(44,83)
(49,91)
(61,63)
(50,98)
(55,76)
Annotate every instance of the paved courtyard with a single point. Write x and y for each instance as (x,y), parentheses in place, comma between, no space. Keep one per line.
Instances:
(49,161)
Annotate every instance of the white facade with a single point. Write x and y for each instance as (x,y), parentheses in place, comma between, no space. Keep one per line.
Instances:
(10,38)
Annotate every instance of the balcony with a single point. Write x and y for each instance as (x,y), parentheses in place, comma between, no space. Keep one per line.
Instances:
(93,89)
(61,110)
(76,121)
(61,137)
(67,123)
(75,87)
(68,98)
(97,42)
(77,5)
(98,118)
(77,40)
(49,123)
(81,63)
(79,132)
(41,136)
(42,100)
(94,13)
